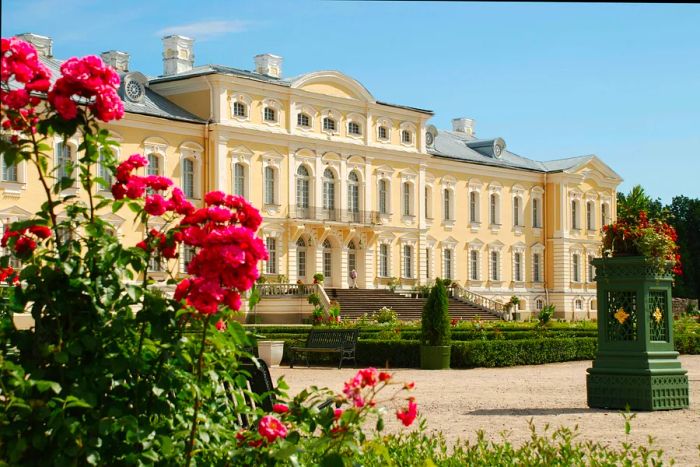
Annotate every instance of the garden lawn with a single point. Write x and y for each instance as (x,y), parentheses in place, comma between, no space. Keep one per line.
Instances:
(460,402)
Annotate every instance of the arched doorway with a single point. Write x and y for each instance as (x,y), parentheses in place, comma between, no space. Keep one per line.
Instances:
(302,256)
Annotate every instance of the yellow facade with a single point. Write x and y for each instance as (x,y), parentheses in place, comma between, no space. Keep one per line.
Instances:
(372,190)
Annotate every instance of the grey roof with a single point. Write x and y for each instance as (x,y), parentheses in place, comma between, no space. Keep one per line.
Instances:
(247,74)
(153,103)
(460,146)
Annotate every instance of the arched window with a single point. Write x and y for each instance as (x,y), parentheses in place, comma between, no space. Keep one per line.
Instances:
(269,114)
(354,128)
(590,222)
(239,179)
(536,212)
(576,267)
(302,187)
(303,120)
(407,211)
(384,260)
(383,196)
(406,137)
(574,214)
(271,265)
(327,259)
(328,190)
(154,167)
(473,207)
(382,133)
(494,209)
(448,204)
(269,185)
(188,178)
(353,192)
(407,261)
(329,124)
(474,265)
(240,109)
(301,259)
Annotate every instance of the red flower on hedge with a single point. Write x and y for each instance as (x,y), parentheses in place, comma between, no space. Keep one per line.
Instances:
(271,428)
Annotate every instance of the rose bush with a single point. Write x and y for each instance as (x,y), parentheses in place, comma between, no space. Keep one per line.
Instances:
(114,371)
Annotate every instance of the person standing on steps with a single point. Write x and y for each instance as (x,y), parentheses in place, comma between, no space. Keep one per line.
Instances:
(353,278)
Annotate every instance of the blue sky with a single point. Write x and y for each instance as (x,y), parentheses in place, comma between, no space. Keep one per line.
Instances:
(554,80)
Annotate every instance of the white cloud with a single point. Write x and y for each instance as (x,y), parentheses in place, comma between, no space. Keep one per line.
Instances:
(203,30)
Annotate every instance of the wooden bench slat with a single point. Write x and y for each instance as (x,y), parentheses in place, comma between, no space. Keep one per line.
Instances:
(341,341)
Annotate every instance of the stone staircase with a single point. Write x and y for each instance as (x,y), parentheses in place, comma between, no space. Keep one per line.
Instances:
(356,302)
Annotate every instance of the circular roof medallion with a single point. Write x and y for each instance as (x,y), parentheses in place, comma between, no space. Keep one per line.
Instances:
(429,138)
(134,91)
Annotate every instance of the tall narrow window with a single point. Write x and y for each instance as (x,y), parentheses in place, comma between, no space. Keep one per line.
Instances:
(188,177)
(518,267)
(153,164)
(494,266)
(574,214)
(269,185)
(327,259)
(428,200)
(472,207)
(303,120)
(328,190)
(474,265)
(447,267)
(408,261)
(494,209)
(103,171)
(448,204)
(301,259)
(271,266)
(604,213)
(536,212)
(591,269)
(353,192)
(63,161)
(576,267)
(536,268)
(406,199)
(383,196)
(427,263)
(238,179)
(188,254)
(384,260)
(516,210)
(9,172)
(590,223)
(155,263)
(302,187)
(406,137)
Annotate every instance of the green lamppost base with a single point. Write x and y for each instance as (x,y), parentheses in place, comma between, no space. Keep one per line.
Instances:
(636,365)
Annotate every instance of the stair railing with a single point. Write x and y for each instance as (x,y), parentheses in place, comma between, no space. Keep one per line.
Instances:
(325,301)
(278,290)
(486,303)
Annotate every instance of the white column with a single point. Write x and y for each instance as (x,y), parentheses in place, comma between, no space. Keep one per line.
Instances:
(291,186)
(344,273)
(318,183)
(221,166)
(292,260)
(343,185)
(369,204)
(420,197)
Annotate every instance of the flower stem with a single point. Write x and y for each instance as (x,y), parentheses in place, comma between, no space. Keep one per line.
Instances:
(190,444)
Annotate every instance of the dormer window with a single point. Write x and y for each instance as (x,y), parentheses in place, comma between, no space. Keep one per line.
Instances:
(269,114)
(240,110)
(406,137)
(382,133)
(329,124)
(354,128)
(303,120)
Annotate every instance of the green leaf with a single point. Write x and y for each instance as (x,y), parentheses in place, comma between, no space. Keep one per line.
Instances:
(43,386)
(332,460)
(72,401)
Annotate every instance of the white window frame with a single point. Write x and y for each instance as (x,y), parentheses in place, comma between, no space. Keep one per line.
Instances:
(474,264)
(407,128)
(243,100)
(271,265)
(269,185)
(407,261)
(384,260)
(448,263)
(519,265)
(275,107)
(576,267)
(191,152)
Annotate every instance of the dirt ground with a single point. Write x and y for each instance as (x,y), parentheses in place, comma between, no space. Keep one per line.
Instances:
(496,400)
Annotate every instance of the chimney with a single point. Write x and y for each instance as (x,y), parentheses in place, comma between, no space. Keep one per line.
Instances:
(269,65)
(178,55)
(116,59)
(463,125)
(42,44)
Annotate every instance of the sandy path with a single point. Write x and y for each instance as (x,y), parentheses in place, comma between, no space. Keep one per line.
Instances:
(459,402)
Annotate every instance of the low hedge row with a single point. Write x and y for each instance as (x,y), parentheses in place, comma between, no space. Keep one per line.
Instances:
(480,353)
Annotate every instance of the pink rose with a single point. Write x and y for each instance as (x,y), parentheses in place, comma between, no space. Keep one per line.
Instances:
(271,428)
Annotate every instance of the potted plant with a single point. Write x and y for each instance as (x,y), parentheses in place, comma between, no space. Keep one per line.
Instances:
(636,355)
(318,278)
(435,330)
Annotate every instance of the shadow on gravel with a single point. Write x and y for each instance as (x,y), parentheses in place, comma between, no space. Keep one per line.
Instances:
(538,411)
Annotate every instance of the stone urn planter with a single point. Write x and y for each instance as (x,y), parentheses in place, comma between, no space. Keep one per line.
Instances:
(636,364)
(271,352)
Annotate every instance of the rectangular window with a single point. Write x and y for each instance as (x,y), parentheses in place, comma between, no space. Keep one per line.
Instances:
(494,266)
(153,167)
(9,172)
(239,109)
(270,115)
(329,124)
(589,216)
(494,210)
(381,132)
(384,260)
(188,177)
(269,185)
(303,120)
(354,128)
(536,275)
(448,205)
(155,264)
(516,211)
(427,263)
(447,255)
(472,207)
(327,263)
(536,213)
(271,266)
(604,213)
(474,265)
(301,264)
(406,199)
(574,215)
(591,270)
(239,180)
(382,196)
(104,172)
(188,254)
(63,161)
(518,267)
(407,261)
(576,273)
(406,137)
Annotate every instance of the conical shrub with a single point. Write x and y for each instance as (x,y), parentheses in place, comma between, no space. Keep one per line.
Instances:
(435,319)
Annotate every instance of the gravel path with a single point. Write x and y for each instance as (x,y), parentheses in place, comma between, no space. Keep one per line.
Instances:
(460,402)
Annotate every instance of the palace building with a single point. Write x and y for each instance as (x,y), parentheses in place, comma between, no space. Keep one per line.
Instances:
(347,182)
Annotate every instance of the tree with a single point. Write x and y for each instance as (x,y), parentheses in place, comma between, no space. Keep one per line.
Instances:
(630,205)
(435,321)
(685,218)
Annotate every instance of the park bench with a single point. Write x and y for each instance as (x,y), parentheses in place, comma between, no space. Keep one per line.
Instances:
(340,341)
